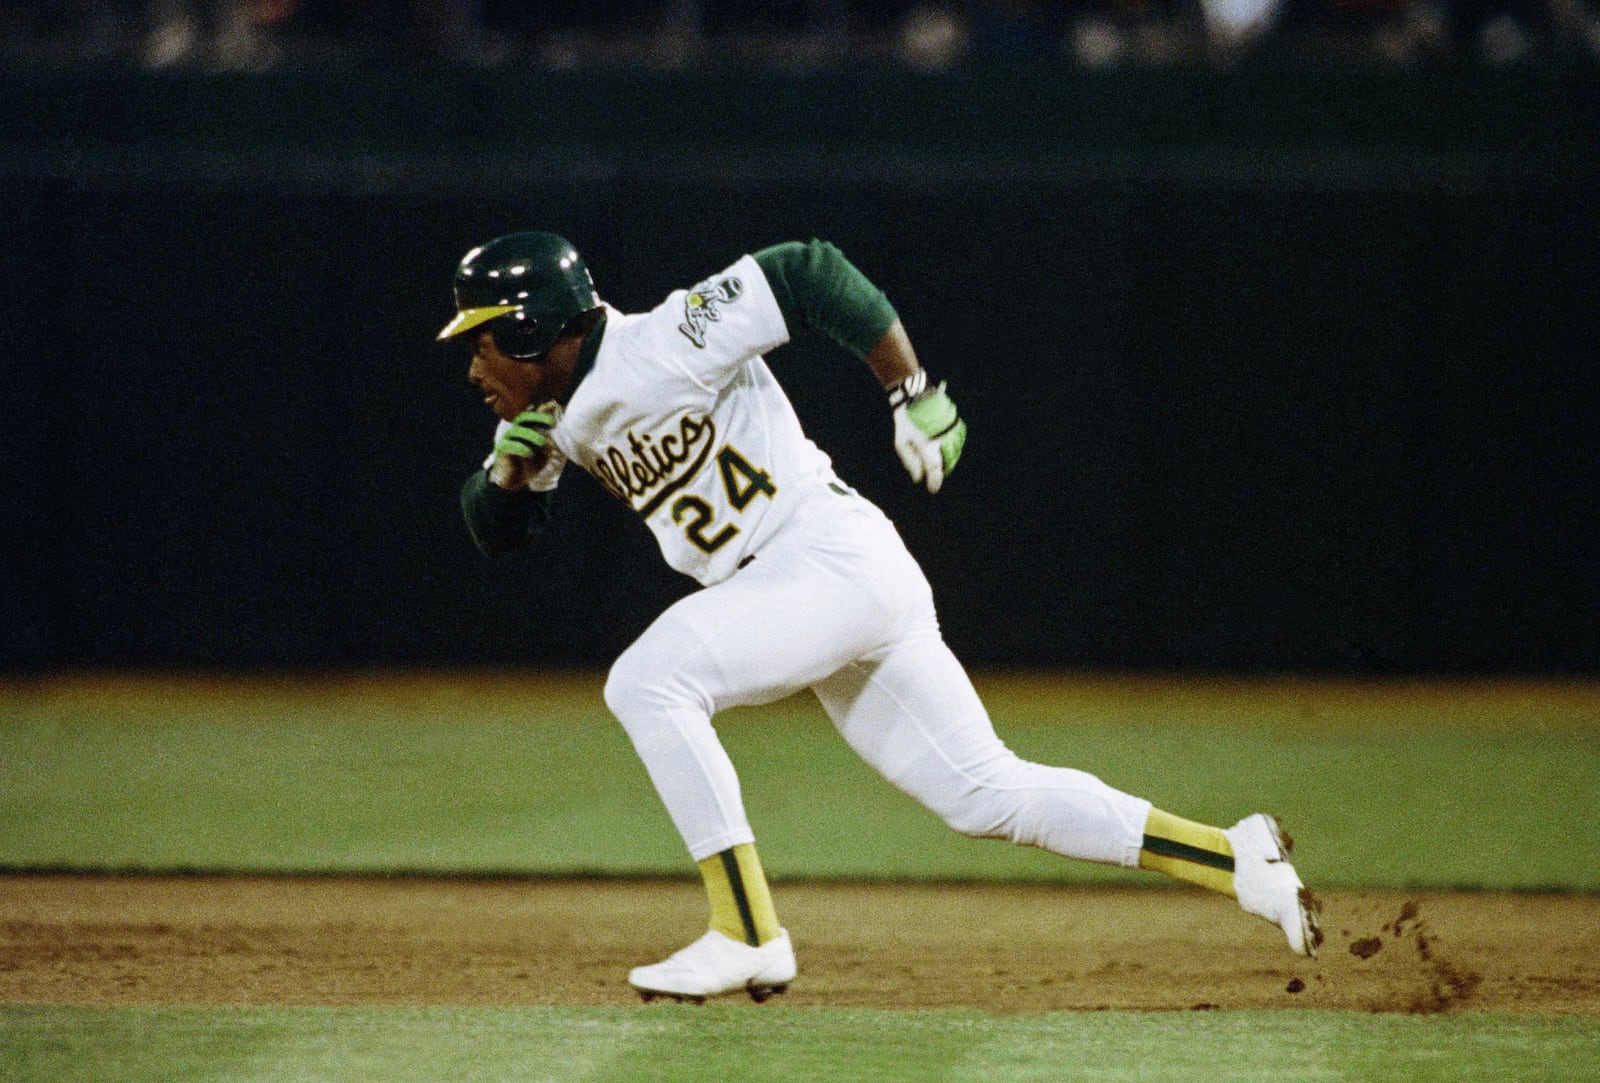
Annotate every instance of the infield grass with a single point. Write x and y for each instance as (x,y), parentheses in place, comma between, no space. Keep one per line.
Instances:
(396,1045)
(1397,786)
(530,775)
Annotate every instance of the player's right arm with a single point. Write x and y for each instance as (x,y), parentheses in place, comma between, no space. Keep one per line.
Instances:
(502,520)
(507,503)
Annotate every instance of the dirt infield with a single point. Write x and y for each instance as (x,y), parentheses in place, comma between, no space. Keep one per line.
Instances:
(214,940)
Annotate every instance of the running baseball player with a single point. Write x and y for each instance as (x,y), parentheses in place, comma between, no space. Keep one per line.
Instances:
(806,584)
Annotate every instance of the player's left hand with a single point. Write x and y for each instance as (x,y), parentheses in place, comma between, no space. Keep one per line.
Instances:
(928,435)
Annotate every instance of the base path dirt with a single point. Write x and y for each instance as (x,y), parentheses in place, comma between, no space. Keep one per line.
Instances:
(259,940)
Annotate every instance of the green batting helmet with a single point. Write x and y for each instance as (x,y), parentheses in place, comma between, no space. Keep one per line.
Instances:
(524,288)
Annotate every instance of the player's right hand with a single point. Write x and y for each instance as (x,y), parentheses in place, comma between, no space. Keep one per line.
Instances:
(928,434)
(524,454)
(528,435)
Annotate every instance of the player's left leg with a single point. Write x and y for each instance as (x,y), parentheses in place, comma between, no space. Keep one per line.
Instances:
(1249,861)
(911,712)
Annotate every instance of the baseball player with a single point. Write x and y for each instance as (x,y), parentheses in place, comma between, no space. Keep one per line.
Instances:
(805,583)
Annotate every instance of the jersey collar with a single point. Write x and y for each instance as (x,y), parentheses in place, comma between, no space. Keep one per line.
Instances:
(587,352)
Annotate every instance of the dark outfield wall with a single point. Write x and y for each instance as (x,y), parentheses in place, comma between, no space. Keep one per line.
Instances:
(1263,371)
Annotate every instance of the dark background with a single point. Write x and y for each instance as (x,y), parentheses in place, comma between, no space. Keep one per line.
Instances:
(1265,370)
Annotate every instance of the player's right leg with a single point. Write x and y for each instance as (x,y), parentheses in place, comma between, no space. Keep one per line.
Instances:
(743,949)
(775,627)
(662,691)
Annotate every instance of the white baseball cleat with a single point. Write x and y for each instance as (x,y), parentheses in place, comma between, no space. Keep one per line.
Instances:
(1268,886)
(716,964)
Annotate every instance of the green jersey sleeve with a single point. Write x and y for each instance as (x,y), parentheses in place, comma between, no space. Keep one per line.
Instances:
(502,520)
(816,286)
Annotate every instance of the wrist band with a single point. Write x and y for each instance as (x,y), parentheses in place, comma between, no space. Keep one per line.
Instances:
(908,389)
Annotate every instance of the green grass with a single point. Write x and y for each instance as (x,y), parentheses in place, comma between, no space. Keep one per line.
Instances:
(530,776)
(522,782)
(395,1045)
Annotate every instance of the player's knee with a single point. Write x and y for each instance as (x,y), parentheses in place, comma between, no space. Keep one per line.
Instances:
(642,684)
(977,814)
(627,687)
(993,803)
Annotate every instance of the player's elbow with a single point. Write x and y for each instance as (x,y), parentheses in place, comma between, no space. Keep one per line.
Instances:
(494,548)
(502,521)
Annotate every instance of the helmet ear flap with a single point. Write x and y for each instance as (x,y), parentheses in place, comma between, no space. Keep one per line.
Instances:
(517,336)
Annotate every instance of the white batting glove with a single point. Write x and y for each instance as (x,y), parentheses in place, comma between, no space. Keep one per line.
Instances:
(928,436)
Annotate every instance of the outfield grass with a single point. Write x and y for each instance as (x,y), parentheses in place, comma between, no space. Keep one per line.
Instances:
(1398,786)
(534,777)
(396,1045)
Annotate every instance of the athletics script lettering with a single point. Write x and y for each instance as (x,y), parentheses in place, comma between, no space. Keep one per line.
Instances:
(652,468)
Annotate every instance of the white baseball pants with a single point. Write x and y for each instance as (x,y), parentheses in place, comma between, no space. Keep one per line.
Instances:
(835,603)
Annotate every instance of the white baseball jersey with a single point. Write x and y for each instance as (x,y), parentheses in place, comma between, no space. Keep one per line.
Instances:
(681,418)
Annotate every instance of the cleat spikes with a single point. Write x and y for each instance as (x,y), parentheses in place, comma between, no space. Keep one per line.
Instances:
(651,995)
(1311,906)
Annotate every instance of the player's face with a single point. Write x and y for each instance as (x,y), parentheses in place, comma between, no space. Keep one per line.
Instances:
(509,386)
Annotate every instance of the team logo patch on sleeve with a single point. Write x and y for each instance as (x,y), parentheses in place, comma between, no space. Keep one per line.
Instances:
(703,306)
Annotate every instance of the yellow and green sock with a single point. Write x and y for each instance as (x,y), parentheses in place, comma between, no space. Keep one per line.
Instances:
(741,902)
(1184,850)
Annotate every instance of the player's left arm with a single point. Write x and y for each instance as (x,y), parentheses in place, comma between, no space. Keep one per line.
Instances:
(815,285)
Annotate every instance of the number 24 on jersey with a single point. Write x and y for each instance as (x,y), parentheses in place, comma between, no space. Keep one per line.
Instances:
(741,481)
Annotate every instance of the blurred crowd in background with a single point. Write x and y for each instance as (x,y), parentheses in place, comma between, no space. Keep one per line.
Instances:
(264,35)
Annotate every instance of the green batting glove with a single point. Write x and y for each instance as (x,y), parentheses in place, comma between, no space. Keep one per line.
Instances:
(928,435)
(529,434)
(524,455)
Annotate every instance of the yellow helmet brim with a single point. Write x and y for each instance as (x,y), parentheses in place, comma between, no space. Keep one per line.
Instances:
(468,318)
